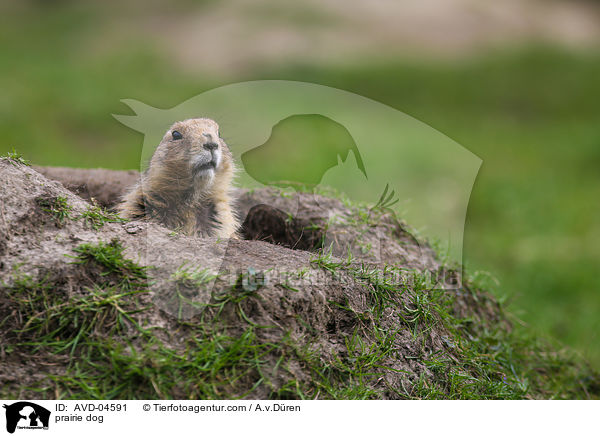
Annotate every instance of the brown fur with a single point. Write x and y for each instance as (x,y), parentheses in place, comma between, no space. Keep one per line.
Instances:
(174,192)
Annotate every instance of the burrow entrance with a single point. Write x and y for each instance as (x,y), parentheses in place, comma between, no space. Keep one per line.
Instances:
(269,224)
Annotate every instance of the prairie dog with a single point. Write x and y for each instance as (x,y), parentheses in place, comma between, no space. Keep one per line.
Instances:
(188,185)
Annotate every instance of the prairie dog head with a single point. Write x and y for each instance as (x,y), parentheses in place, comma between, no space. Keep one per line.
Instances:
(191,155)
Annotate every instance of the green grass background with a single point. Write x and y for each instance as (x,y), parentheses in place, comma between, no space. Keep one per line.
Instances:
(531,113)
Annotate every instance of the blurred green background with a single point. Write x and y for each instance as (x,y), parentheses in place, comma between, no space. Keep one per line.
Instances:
(517,83)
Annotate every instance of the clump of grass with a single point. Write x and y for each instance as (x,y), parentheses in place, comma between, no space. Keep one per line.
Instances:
(246,286)
(63,325)
(58,207)
(211,367)
(325,259)
(16,158)
(96,216)
(189,293)
(110,257)
(191,277)
(77,327)
(28,294)
(386,201)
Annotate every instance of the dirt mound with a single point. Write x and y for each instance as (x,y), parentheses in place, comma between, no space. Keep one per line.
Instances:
(315,304)
(105,186)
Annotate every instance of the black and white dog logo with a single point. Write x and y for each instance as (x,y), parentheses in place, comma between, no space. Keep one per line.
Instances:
(26,415)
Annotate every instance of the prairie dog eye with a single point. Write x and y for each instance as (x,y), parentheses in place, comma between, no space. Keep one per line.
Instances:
(176,135)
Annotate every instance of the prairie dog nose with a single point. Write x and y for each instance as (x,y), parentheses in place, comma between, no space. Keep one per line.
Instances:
(211,145)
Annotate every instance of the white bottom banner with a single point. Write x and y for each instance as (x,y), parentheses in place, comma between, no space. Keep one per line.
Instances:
(298,417)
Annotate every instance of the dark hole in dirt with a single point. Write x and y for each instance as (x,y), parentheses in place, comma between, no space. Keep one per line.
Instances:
(269,224)
(3,246)
(331,327)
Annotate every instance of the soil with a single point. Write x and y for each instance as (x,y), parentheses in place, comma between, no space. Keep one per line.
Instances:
(302,301)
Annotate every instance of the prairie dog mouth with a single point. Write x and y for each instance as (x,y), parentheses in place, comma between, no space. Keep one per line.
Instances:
(204,167)
(206,163)
(212,164)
